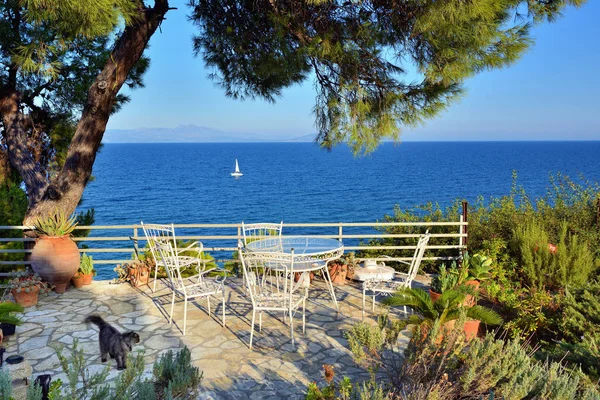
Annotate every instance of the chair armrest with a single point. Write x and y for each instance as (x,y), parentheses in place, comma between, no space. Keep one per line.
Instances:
(192,245)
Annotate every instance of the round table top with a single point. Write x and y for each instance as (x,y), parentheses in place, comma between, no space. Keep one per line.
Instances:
(304,245)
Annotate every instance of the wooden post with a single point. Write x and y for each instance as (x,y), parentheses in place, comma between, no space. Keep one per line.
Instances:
(135,243)
(465,213)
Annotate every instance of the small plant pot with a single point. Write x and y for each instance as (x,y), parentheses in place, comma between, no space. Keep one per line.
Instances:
(434,296)
(26,299)
(338,272)
(350,273)
(80,280)
(469,299)
(471,328)
(139,275)
(7,329)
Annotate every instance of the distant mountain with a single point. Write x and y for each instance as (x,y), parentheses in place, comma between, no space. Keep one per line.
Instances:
(190,134)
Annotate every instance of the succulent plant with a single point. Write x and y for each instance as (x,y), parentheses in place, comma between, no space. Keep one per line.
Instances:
(56,224)
(87,265)
(25,281)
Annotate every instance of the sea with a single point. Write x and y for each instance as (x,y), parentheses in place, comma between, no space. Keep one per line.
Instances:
(190,183)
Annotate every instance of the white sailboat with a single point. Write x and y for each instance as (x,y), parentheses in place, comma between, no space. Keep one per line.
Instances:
(237,172)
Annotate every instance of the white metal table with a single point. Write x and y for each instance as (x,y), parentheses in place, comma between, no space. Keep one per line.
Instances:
(310,254)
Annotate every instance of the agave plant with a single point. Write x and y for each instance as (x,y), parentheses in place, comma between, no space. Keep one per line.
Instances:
(56,224)
(447,308)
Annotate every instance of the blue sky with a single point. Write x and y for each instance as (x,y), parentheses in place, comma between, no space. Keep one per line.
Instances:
(550,94)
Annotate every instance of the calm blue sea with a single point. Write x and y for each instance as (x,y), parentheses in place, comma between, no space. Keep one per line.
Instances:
(299,182)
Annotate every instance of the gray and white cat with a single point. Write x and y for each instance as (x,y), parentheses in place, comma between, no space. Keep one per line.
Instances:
(112,342)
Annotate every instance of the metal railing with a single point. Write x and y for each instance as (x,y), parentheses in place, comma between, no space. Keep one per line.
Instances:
(224,238)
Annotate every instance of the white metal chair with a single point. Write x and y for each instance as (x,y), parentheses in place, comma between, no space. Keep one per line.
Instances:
(273,288)
(189,288)
(253,232)
(401,280)
(166,233)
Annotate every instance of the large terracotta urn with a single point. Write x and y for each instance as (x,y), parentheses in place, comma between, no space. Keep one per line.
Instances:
(55,260)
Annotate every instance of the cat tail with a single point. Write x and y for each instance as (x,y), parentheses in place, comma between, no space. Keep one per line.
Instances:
(96,320)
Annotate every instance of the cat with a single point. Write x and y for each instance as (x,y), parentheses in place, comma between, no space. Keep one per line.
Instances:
(112,342)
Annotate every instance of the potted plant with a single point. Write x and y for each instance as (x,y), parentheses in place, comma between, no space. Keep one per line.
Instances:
(337,272)
(448,308)
(352,264)
(480,268)
(55,256)
(445,280)
(25,288)
(8,320)
(86,272)
(137,273)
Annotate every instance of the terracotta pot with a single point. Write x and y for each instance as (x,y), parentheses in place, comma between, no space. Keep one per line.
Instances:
(350,274)
(469,299)
(338,272)
(434,296)
(471,328)
(55,260)
(82,279)
(139,275)
(25,299)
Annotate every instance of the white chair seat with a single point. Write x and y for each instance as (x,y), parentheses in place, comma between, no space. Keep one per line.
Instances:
(382,272)
(203,288)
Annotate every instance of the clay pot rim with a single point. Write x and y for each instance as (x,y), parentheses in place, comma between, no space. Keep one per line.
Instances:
(68,235)
(80,275)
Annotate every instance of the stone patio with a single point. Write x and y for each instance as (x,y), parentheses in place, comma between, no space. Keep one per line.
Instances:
(273,369)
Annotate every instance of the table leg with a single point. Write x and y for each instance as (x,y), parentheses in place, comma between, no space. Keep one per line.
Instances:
(330,284)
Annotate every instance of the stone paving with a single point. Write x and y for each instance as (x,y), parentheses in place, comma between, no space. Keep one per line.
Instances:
(273,369)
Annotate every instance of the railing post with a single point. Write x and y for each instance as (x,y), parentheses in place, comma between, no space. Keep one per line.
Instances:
(340,233)
(239,235)
(135,243)
(465,218)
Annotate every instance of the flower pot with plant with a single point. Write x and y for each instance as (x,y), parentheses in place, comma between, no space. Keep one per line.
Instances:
(337,272)
(25,288)
(449,307)
(55,256)
(352,263)
(86,272)
(8,320)
(480,268)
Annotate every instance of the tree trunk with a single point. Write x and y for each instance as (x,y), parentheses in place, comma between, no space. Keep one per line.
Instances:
(65,191)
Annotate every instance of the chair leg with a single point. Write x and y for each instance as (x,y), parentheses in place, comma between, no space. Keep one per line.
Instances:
(172,306)
(155,277)
(252,327)
(374,302)
(304,316)
(363,303)
(292,328)
(208,302)
(184,315)
(405,313)
(331,290)
(223,307)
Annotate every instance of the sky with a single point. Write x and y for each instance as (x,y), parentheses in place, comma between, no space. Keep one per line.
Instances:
(551,93)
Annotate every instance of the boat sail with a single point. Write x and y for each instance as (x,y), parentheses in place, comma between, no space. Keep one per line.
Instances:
(237,172)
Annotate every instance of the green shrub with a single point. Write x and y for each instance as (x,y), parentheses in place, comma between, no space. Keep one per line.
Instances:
(570,264)
(175,374)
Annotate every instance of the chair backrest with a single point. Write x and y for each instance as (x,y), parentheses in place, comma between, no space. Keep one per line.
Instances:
(154,232)
(418,256)
(167,254)
(268,274)
(253,232)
